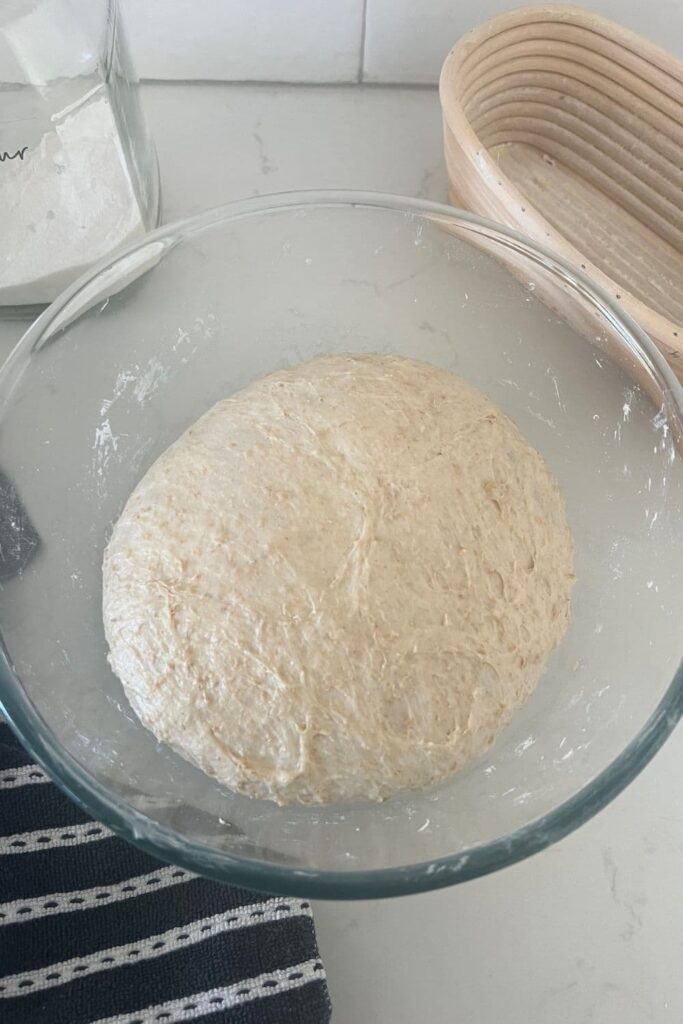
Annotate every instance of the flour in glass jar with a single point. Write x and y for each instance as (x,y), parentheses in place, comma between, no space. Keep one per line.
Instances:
(64,204)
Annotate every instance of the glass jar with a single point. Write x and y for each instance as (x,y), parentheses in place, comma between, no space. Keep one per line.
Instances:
(78,170)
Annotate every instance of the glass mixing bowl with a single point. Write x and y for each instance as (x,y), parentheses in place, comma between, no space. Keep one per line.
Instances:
(132,354)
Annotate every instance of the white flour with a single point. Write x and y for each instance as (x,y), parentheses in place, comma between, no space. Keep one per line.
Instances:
(68,203)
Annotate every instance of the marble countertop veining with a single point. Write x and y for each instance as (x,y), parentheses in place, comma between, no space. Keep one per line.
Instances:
(591,930)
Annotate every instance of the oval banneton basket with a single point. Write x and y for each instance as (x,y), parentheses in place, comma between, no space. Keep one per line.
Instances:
(569,128)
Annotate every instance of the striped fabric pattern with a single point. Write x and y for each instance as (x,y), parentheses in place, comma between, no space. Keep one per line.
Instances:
(93,931)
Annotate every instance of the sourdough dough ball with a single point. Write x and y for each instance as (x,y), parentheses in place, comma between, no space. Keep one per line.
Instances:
(340,582)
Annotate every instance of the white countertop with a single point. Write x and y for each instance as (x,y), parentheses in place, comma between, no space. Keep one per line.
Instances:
(588,931)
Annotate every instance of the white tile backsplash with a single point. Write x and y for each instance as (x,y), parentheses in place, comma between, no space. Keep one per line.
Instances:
(246,40)
(316,41)
(407,41)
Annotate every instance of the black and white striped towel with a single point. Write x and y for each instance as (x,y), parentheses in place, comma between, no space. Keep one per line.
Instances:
(94,930)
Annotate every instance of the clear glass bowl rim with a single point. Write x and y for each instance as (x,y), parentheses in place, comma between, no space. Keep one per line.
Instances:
(161,842)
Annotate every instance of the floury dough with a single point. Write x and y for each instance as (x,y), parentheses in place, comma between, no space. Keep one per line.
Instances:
(340,582)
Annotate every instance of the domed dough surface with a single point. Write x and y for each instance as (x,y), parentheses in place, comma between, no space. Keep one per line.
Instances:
(340,582)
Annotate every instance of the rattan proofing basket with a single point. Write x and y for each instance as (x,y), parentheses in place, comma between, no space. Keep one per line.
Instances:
(569,128)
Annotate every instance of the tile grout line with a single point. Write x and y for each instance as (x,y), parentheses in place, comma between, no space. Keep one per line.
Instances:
(363,33)
(298,84)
